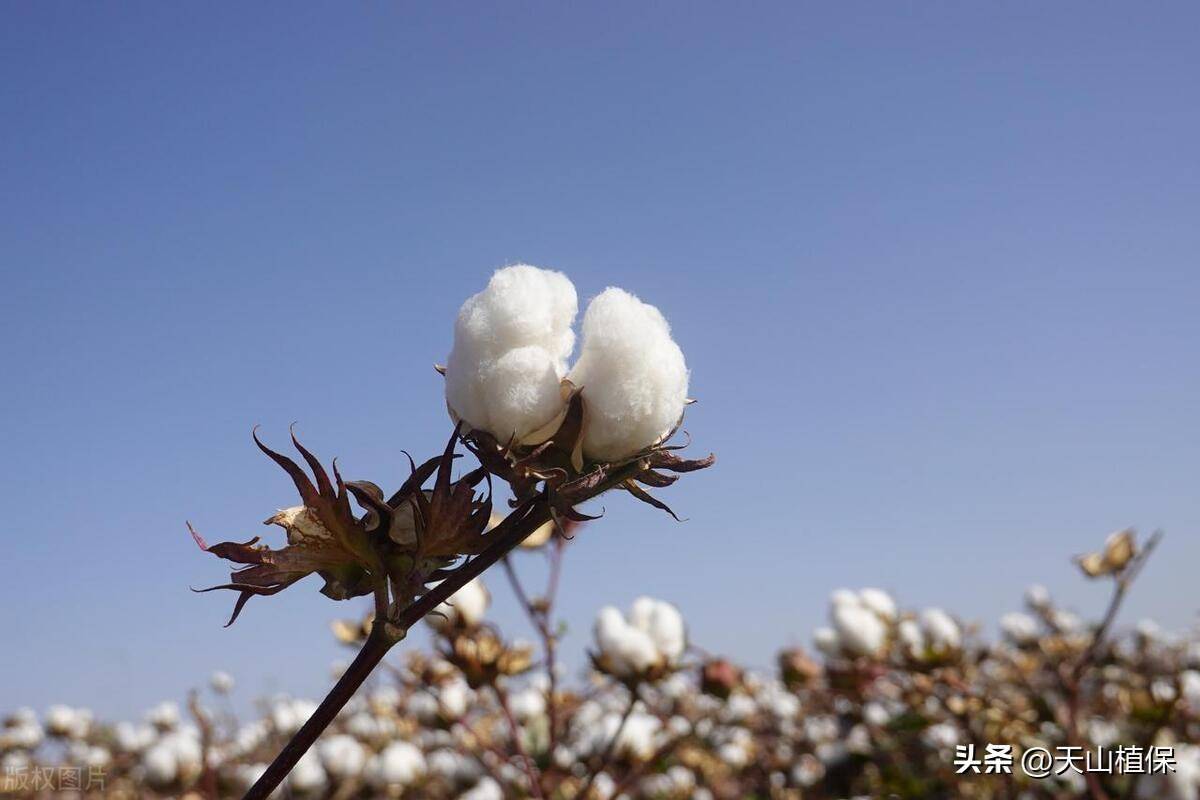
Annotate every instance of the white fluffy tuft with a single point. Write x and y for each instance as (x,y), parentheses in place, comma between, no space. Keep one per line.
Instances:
(653,634)
(632,373)
(511,345)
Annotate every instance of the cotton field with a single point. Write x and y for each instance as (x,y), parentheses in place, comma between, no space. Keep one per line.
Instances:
(888,702)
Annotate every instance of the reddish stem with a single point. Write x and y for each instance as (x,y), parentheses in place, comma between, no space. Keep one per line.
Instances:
(524,520)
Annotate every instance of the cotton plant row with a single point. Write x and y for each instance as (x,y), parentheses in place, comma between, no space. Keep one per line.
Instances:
(549,434)
(875,709)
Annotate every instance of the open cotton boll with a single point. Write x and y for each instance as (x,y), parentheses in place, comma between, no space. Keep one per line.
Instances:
(1019,628)
(158,766)
(633,376)
(627,649)
(164,716)
(826,641)
(511,345)
(342,756)
(527,704)
(523,391)
(397,765)
(878,601)
(465,607)
(860,630)
(453,698)
(308,776)
(486,789)
(844,597)
(636,737)
(221,682)
(911,637)
(942,630)
(663,623)
(525,305)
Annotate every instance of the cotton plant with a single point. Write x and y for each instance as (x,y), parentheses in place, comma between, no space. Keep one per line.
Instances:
(884,725)
(558,434)
(859,623)
(646,644)
(508,375)
(602,423)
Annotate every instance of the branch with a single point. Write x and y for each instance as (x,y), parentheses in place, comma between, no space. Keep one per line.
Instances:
(612,746)
(535,783)
(1074,675)
(1121,588)
(524,520)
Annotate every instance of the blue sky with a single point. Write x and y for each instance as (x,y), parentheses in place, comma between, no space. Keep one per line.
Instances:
(934,267)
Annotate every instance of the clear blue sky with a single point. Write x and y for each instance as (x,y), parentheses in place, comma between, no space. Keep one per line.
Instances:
(934,267)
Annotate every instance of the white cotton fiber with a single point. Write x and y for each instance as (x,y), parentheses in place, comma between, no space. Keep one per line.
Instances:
(632,374)
(523,389)
(653,634)
(664,624)
(511,345)
(628,650)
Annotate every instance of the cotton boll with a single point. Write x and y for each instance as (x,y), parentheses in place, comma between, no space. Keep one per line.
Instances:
(248,774)
(633,376)
(486,789)
(1038,597)
(523,391)
(465,608)
(636,739)
(860,631)
(164,716)
(511,343)
(158,766)
(289,715)
(308,776)
(132,738)
(384,699)
(527,305)
(1189,688)
(527,704)
(664,624)
(397,765)
(189,755)
(628,650)
(1185,780)
(1019,628)
(21,731)
(1066,621)
(67,722)
(455,767)
(604,787)
(221,682)
(941,736)
(422,706)
(453,699)
(844,597)
(464,392)
(912,637)
(943,632)
(879,601)
(826,641)
(342,756)
(175,757)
